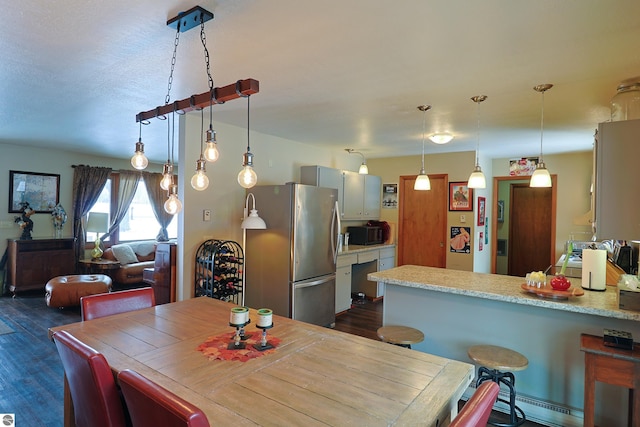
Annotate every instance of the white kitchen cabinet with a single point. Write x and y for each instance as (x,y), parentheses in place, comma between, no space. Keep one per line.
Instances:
(361,196)
(616,201)
(322,176)
(343,282)
(386,261)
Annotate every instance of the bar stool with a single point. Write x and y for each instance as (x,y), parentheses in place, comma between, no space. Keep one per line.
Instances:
(402,336)
(497,364)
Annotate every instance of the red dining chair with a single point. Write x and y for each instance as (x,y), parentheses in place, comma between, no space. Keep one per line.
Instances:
(151,405)
(100,305)
(476,412)
(96,400)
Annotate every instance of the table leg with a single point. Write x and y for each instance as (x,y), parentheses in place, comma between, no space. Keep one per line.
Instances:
(589,389)
(69,415)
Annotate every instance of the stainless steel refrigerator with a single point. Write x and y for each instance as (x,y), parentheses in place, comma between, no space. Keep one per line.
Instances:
(291,266)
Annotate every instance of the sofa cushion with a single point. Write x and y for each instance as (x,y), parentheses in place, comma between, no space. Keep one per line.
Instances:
(124,254)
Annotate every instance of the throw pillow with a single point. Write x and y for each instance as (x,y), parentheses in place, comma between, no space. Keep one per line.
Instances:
(124,254)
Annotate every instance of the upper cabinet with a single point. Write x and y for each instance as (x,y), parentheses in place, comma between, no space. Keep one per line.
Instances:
(358,195)
(616,190)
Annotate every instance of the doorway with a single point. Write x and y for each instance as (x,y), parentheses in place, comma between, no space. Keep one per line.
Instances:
(524,221)
(422,222)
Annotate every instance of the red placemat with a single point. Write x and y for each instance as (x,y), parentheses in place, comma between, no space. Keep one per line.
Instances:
(216,347)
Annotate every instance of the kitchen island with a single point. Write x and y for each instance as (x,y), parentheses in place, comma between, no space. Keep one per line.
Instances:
(458,309)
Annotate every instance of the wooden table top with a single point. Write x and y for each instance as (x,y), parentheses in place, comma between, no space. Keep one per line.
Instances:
(316,376)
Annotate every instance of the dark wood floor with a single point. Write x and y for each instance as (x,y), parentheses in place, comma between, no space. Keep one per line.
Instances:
(31,375)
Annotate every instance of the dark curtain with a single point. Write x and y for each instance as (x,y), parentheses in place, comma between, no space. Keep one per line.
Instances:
(127,186)
(158,196)
(88,182)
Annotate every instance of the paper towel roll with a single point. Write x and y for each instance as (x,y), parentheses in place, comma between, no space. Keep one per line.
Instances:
(594,269)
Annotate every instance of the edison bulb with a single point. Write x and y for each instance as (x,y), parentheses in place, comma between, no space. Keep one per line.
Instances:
(200,181)
(173,205)
(165,183)
(247,177)
(139,160)
(211,152)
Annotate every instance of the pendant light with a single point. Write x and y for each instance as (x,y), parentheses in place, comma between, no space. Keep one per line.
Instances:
(211,152)
(247,177)
(477,179)
(422,181)
(173,205)
(167,168)
(364,169)
(139,160)
(541,176)
(200,181)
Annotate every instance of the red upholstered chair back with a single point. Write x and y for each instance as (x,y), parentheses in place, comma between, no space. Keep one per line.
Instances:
(476,412)
(96,400)
(100,305)
(151,405)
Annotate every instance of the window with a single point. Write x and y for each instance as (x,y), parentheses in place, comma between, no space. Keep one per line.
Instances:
(139,223)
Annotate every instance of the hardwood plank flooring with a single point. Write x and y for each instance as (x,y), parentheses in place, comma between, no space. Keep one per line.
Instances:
(31,375)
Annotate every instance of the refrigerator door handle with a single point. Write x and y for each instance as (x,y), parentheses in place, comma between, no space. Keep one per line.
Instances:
(316,282)
(335,230)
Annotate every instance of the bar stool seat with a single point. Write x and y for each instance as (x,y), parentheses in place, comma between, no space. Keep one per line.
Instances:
(402,336)
(497,364)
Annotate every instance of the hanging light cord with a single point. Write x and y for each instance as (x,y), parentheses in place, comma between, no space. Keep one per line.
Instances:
(201,132)
(176,41)
(203,39)
(478,136)
(541,124)
(248,116)
(424,127)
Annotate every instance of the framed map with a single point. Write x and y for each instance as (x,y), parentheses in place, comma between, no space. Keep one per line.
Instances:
(40,190)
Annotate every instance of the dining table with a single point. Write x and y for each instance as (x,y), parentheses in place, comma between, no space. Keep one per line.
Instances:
(313,376)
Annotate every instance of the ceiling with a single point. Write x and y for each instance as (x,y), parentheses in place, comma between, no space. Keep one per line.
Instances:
(335,73)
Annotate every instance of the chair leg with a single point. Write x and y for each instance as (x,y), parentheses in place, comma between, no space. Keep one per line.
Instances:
(516,415)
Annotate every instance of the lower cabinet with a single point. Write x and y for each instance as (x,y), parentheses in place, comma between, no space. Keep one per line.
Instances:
(343,282)
(352,270)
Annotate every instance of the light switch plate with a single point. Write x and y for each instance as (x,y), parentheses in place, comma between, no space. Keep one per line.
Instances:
(206,215)
(463,218)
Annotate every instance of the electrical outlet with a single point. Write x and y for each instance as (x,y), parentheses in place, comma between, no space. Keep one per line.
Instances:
(206,215)
(463,218)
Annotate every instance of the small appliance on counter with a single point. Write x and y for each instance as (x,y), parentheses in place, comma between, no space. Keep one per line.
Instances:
(365,235)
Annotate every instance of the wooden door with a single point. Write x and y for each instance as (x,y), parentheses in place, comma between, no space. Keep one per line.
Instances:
(422,222)
(530,224)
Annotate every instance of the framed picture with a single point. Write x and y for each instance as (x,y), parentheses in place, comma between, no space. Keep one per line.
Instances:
(460,197)
(500,210)
(390,196)
(40,190)
(481,209)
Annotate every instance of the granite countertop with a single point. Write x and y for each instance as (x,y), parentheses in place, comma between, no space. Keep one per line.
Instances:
(354,249)
(502,288)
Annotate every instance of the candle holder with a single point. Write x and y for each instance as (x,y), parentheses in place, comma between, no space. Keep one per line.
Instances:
(265,321)
(239,319)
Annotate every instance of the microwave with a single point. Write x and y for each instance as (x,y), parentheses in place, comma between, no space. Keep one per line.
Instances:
(365,235)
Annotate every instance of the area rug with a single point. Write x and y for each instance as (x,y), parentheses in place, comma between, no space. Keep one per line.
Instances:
(5,329)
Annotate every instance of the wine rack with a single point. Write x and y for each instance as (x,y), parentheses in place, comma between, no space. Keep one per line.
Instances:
(218,272)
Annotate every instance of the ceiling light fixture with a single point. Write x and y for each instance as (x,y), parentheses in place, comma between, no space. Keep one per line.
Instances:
(422,181)
(477,178)
(541,176)
(139,160)
(185,21)
(200,181)
(441,138)
(173,205)
(364,169)
(247,177)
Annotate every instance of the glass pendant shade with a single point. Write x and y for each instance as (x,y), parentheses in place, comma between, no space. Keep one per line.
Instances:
(200,181)
(173,205)
(364,170)
(422,182)
(541,177)
(477,179)
(139,161)
(211,152)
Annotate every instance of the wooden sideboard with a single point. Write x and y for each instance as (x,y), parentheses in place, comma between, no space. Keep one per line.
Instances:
(162,277)
(31,263)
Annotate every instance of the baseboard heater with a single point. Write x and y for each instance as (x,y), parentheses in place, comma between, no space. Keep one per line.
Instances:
(538,411)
